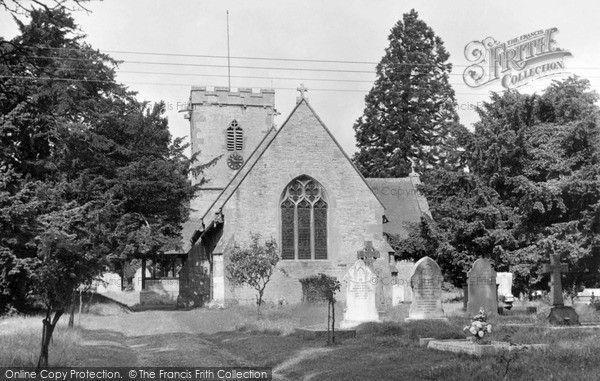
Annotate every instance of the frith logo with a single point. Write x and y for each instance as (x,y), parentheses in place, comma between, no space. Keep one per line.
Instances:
(516,62)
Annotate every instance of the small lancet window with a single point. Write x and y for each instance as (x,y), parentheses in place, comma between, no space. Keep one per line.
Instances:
(235,137)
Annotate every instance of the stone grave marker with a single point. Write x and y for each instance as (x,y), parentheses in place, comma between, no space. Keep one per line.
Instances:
(426,284)
(361,304)
(504,281)
(481,280)
(589,295)
(401,291)
(559,313)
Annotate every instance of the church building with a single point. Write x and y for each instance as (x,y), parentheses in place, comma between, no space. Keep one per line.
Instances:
(294,184)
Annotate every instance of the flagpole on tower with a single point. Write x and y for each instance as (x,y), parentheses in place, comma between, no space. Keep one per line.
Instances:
(228,59)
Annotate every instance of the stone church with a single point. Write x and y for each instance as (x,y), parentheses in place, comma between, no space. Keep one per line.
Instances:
(294,184)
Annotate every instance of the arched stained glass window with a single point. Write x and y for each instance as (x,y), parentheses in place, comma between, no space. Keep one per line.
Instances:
(303,220)
(235,138)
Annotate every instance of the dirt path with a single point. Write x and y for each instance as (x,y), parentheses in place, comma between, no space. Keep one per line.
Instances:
(152,338)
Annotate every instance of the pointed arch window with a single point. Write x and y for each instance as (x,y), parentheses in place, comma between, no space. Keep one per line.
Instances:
(235,137)
(303,220)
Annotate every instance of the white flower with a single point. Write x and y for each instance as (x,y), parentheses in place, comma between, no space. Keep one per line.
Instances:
(473,330)
(480,333)
(489,328)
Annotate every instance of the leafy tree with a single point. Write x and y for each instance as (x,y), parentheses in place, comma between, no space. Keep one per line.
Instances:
(410,112)
(534,186)
(253,266)
(89,176)
(469,222)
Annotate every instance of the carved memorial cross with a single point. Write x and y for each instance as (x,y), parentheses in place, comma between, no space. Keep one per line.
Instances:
(369,254)
(555,268)
(302,90)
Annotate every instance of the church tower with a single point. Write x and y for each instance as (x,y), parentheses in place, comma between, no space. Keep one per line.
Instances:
(227,126)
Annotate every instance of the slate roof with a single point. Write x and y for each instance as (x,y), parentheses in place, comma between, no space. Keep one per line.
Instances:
(403,204)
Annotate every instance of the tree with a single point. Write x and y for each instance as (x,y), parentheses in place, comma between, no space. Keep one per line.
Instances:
(534,184)
(469,222)
(89,176)
(253,266)
(410,112)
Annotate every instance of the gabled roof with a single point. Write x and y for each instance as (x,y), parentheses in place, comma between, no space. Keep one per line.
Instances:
(260,150)
(403,203)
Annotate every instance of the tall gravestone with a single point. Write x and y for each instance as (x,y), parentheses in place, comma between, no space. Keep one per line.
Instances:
(504,281)
(361,306)
(401,291)
(482,288)
(559,313)
(426,285)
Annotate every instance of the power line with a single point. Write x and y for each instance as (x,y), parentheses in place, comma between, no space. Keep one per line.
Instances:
(253,58)
(188,85)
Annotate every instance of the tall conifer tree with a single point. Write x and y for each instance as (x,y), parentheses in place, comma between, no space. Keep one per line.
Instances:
(410,111)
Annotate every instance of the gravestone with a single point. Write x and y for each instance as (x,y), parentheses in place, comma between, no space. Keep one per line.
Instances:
(401,291)
(589,295)
(559,313)
(382,275)
(383,289)
(361,305)
(482,288)
(426,284)
(504,281)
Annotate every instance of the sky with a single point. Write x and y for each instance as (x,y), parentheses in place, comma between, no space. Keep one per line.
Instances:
(176,38)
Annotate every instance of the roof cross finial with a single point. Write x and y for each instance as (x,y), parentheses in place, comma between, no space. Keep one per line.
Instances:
(302,90)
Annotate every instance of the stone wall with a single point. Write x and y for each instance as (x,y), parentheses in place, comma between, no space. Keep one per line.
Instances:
(303,146)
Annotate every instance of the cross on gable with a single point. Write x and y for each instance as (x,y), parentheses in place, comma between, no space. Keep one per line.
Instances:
(302,90)
(555,268)
(368,254)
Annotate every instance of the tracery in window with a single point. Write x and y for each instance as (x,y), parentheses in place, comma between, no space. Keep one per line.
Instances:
(303,220)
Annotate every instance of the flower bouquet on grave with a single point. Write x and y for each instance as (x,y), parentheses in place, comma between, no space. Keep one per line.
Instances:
(479,326)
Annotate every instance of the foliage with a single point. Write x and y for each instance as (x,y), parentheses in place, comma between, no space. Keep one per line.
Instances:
(253,266)
(533,189)
(73,141)
(324,287)
(410,112)
(89,176)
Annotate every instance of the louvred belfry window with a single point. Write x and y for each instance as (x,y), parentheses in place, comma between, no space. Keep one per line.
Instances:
(235,137)
(303,220)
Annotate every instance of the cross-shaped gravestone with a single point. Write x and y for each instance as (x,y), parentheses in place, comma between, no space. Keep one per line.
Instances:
(368,254)
(555,268)
(302,90)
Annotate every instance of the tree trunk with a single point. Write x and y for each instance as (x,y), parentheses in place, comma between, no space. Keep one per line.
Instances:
(333,322)
(80,307)
(47,331)
(72,311)
(328,322)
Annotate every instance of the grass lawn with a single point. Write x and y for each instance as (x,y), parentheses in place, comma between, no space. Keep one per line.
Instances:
(238,335)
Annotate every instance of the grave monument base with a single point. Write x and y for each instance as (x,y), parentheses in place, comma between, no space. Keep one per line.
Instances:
(563,315)
(346,324)
(408,320)
(469,347)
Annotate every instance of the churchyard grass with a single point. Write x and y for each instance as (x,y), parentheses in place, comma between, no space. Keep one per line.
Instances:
(20,339)
(382,351)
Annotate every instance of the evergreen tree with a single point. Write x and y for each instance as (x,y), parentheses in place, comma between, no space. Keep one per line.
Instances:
(410,111)
(534,187)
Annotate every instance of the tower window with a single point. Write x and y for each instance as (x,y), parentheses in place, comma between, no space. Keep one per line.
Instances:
(303,220)
(235,141)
